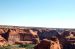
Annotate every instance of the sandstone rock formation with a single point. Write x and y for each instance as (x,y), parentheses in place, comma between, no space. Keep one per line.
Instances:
(2,41)
(44,44)
(53,43)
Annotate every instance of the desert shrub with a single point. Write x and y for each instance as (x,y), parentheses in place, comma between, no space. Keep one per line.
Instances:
(9,47)
(5,47)
(27,46)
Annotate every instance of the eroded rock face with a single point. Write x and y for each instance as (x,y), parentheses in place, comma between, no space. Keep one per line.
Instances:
(2,41)
(53,43)
(13,37)
(44,44)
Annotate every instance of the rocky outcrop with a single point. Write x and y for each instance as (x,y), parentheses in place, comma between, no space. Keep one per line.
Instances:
(2,41)
(44,44)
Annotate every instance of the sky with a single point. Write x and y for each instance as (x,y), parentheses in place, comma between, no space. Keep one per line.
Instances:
(38,13)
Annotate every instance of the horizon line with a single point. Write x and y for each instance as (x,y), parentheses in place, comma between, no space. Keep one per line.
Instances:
(35,27)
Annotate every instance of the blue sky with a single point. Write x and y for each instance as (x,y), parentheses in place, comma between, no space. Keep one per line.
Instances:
(38,13)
